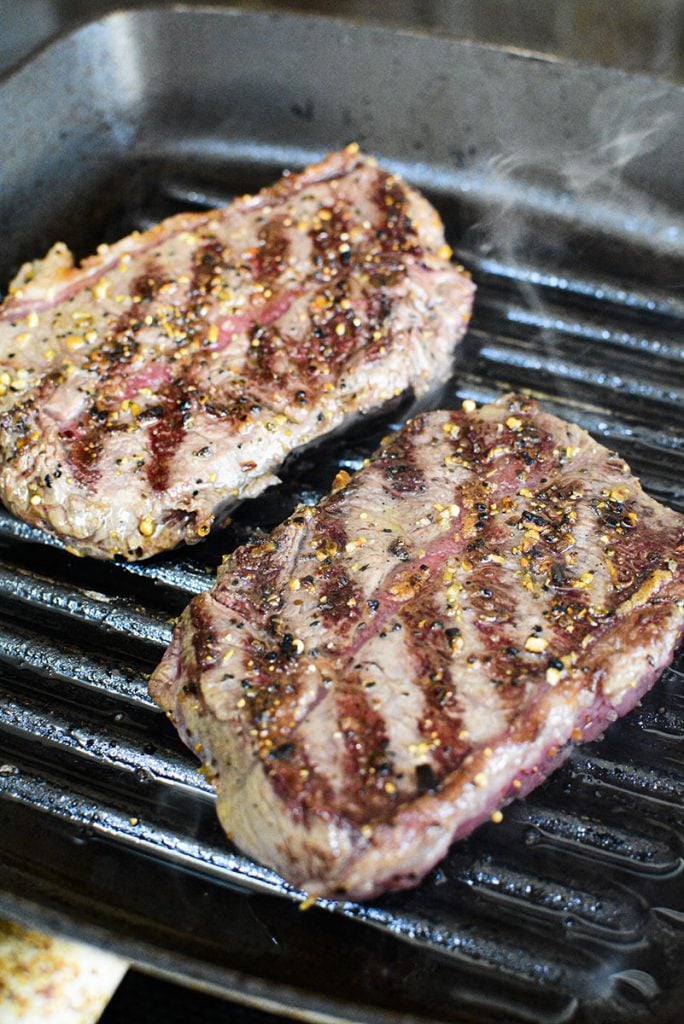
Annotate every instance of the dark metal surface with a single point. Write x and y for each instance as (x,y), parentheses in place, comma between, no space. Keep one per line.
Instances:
(561,189)
(633,34)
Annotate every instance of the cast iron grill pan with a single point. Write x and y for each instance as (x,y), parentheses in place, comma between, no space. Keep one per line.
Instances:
(572,909)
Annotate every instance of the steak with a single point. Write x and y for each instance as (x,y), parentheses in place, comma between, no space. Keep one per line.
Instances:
(395,664)
(146,391)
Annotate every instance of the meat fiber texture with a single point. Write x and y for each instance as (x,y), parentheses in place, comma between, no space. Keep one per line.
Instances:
(145,392)
(398,662)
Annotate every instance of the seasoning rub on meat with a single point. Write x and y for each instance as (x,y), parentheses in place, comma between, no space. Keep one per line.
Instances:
(397,663)
(167,377)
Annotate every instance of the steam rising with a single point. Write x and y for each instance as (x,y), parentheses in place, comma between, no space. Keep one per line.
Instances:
(607,183)
(564,216)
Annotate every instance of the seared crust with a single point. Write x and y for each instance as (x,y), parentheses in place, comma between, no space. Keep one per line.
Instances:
(396,663)
(148,390)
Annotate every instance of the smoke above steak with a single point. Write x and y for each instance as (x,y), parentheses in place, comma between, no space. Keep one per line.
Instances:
(398,662)
(167,377)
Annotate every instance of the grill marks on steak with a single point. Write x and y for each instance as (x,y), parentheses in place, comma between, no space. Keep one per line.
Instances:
(424,645)
(169,375)
(84,439)
(175,403)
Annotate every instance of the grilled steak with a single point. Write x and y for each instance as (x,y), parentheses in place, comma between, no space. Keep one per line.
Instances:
(397,663)
(167,377)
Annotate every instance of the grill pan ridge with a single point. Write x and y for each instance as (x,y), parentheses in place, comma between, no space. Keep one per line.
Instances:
(572,909)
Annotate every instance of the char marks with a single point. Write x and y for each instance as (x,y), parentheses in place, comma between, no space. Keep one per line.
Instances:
(241,334)
(110,362)
(270,259)
(370,790)
(207,264)
(184,364)
(395,232)
(428,641)
(400,465)
(168,429)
